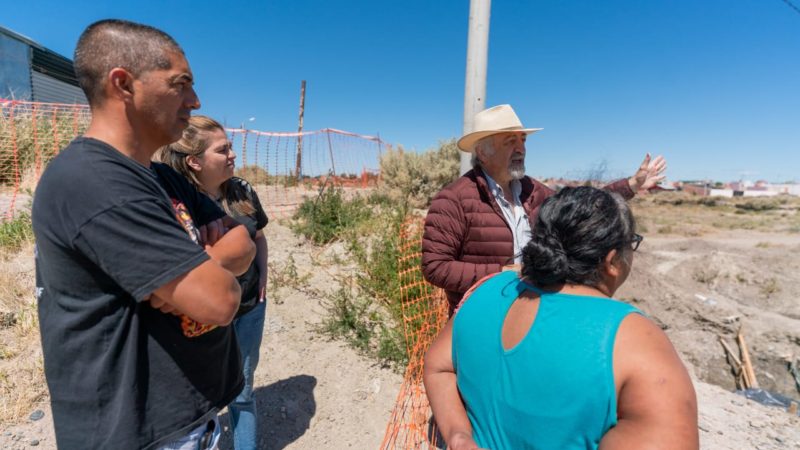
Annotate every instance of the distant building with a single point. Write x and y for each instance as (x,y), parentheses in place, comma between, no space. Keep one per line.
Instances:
(760,185)
(30,72)
(785,188)
(759,193)
(721,192)
(665,186)
(695,188)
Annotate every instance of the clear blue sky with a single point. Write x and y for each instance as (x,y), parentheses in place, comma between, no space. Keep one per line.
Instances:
(713,85)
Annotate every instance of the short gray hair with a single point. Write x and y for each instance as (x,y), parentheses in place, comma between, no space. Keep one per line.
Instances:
(487,145)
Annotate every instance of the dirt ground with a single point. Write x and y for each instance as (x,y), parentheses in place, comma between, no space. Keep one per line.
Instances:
(314,393)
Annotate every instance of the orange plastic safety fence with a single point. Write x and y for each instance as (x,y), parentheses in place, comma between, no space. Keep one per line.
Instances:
(286,168)
(424,313)
(32,133)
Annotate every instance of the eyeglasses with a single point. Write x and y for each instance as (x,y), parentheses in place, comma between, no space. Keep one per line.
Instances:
(637,239)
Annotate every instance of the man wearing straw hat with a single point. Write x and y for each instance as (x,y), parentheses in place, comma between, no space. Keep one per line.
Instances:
(479,224)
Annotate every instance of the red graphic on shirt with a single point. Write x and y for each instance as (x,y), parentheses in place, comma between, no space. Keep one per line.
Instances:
(190,327)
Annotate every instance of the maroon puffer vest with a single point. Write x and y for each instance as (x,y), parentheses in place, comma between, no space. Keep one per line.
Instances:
(466,236)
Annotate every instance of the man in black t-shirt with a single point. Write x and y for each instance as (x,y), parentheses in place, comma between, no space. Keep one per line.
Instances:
(133,313)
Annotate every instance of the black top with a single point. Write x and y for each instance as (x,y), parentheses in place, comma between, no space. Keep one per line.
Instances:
(248,281)
(121,374)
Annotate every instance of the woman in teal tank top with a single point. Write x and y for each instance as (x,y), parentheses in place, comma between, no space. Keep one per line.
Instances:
(546,359)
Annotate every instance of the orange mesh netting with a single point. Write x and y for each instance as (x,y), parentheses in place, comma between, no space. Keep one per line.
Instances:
(326,157)
(424,314)
(32,133)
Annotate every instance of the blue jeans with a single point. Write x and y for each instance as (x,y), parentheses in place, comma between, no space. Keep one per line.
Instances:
(204,437)
(249,330)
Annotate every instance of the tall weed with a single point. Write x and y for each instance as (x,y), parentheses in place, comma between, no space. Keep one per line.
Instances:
(28,139)
(368,316)
(15,233)
(324,218)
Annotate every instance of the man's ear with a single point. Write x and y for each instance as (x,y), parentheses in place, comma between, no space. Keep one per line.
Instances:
(611,264)
(479,154)
(193,163)
(120,84)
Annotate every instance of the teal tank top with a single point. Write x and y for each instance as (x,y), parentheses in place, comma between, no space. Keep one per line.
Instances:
(555,388)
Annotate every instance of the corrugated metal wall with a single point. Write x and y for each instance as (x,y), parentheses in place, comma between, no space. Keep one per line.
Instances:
(50,90)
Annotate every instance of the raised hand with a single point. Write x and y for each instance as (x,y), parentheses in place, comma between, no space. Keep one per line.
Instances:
(649,174)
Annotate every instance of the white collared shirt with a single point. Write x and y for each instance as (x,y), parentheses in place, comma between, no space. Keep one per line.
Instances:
(514,214)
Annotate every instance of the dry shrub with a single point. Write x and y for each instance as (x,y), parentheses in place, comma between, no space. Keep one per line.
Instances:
(29,179)
(769,287)
(758,204)
(414,178)
(29,139)
(705,276)
(253,174)
(22,382)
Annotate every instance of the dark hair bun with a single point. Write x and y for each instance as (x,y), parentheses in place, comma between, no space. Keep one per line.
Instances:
(545,260)
(574,231)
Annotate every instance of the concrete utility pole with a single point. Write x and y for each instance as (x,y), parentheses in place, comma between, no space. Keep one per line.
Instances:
(477,55)
(298,166)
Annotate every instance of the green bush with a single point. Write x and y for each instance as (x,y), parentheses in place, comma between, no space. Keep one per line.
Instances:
(414,178)
(708,201)
(373,244)
(354,317)
(16,232)
(325,218)
(759,204)
(349,317)
(368,317)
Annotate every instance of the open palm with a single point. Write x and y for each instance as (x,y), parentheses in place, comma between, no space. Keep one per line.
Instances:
(649,174)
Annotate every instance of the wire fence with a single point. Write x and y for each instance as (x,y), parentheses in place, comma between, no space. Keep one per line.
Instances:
(30,135)
(285,168)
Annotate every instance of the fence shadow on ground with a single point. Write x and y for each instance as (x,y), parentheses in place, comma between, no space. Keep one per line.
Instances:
(285,409)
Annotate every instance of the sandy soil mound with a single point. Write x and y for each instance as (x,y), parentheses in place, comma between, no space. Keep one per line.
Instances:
(701,288)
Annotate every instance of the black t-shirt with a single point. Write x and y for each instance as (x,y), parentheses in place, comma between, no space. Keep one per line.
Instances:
(248,281)
(121,374)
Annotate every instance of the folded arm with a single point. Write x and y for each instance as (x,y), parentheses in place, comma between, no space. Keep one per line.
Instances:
(208,294)
(234,251)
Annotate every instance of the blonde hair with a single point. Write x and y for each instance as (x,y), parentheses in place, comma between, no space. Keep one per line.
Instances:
(194,142)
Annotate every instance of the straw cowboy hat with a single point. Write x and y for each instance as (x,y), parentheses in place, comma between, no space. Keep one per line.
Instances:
(497,119)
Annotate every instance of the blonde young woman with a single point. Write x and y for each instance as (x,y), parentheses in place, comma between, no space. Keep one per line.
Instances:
(204,156)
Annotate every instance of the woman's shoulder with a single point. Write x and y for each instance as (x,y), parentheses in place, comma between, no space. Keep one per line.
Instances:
(241,182)
(243,186)
(491,284)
